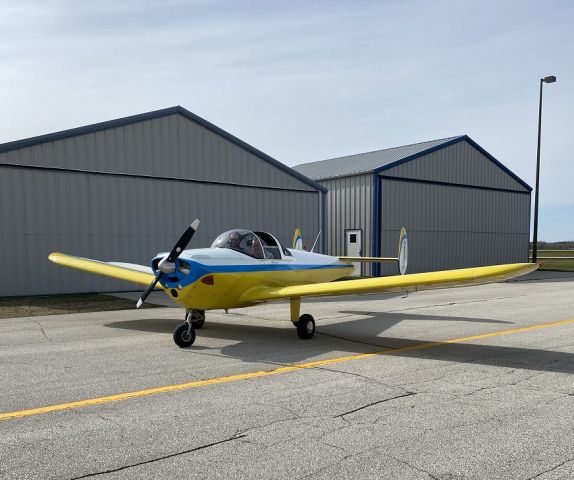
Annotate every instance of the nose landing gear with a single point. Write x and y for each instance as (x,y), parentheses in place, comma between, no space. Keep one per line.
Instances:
(184,334)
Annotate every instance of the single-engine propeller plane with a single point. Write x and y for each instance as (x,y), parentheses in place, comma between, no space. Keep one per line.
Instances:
(244,268)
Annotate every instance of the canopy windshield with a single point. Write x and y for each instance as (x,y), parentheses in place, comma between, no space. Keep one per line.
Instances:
(242,241)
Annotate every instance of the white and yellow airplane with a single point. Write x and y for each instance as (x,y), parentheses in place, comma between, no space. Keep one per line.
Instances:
(244,268)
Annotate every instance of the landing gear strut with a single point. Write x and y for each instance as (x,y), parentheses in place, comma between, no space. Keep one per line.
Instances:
(196,317)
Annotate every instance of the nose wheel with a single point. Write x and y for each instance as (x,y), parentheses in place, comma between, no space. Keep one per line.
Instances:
(184,335)
(305,326)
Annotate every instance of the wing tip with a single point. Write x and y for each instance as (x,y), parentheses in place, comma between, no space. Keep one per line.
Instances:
(54,256)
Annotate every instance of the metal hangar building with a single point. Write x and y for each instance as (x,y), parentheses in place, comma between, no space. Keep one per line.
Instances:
(461,207)
(126,189)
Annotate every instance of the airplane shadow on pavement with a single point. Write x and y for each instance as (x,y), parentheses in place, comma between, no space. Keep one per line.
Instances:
(280,345)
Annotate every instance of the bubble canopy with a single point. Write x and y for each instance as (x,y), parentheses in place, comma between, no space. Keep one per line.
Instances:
(243,241)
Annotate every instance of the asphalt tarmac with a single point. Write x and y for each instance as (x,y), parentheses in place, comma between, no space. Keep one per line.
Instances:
(467,383)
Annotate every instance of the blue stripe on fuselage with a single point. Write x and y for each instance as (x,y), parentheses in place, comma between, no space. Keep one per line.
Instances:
(199,270)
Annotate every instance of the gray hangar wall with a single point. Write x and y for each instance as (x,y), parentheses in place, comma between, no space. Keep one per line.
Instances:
(126,189)
(349,205)
(460,206)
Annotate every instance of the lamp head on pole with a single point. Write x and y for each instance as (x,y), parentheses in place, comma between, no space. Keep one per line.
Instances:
(549,79)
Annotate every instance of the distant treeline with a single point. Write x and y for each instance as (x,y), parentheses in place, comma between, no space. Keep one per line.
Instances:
(569,245)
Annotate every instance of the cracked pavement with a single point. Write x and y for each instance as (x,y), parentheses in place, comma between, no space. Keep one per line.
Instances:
(495,408)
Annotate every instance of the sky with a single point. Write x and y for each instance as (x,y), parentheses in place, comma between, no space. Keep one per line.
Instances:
(308,80)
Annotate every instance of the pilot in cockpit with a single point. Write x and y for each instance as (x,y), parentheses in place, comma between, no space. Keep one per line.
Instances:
(242,241)
(233,240)
(256,249)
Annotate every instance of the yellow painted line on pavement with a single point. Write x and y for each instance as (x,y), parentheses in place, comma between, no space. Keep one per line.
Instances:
(276,371)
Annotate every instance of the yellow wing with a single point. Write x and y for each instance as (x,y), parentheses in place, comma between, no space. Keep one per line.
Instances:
(369,259)
(412,282)
(122,271)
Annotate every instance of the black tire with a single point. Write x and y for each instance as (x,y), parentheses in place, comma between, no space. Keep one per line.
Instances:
(182,338)
(305,327)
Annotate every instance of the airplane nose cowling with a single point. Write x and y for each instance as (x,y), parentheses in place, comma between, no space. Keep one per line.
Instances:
(167,265)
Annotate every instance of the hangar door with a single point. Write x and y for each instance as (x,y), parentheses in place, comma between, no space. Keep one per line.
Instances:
(453,226)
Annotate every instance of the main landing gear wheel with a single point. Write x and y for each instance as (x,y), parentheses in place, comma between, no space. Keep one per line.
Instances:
(184,335)
(196,317)
(305,327)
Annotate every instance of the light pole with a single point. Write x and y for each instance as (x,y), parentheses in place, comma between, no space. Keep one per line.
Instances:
(550,79)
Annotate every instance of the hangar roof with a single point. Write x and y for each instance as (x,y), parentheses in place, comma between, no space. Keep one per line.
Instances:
(96,127)
(379,160)
(366,162)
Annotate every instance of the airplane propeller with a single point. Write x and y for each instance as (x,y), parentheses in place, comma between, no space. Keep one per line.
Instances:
(167,264)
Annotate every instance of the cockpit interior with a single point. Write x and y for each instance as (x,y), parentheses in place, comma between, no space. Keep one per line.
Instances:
(261,245)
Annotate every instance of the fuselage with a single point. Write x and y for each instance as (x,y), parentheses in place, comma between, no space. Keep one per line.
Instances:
(210,278)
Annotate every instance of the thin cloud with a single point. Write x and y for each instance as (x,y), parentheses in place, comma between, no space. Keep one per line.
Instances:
(303,81)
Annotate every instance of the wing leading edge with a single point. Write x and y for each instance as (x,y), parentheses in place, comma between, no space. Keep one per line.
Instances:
(122,271)
(402,283)
(369,259)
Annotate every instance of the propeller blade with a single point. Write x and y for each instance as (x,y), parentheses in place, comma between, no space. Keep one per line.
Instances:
(182,242)
(170,259)
(148,290)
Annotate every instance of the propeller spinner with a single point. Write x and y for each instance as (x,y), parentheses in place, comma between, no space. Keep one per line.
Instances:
(167,264)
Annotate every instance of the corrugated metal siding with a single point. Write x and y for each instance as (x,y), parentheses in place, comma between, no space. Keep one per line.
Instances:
(348,206)
(169,146)
(459,163)
(123,219)
(454,227)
